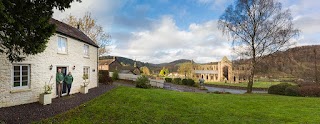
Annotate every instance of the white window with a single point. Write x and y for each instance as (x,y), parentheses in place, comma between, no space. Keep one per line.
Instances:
(86,50)
(62,45)
(21,76)
(86,72)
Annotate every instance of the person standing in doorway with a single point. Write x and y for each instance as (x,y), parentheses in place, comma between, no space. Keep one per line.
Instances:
(68,79)
(59,80)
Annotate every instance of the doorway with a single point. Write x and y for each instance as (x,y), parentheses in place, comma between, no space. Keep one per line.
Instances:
(226,72)
(64,85)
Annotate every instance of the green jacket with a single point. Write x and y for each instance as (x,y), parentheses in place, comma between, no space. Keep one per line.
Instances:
(68,79)
(59,77)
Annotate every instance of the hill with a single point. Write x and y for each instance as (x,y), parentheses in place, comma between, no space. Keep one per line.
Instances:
(155,68)
(297,62)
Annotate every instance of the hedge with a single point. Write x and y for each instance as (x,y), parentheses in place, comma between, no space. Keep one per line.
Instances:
(177,81)
(169,80)
(292,91)
(278,89)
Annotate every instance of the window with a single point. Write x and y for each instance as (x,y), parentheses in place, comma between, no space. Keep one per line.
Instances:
(86,50)
(21,75)
(86,71)
(62,45)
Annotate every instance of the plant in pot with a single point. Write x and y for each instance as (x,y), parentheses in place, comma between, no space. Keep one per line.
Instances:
(84,88)
(46,97)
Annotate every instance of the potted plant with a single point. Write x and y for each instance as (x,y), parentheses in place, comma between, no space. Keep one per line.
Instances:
(46,97)
(84,88)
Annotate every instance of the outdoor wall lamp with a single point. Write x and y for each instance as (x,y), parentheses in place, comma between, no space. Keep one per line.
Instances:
(50,67)
(74,67)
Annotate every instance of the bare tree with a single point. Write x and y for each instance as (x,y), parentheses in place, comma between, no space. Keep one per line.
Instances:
(89,26)
(257,28)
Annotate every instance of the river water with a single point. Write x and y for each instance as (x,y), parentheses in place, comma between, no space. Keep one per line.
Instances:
(233,91)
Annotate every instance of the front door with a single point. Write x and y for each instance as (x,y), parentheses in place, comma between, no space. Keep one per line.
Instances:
(64,86)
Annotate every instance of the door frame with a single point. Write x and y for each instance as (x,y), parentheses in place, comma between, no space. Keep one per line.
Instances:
(67,70)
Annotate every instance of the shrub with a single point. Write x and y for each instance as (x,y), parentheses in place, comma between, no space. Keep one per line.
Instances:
(143,82)
(196,84)
(115,75)
(168,80)
(176,81)
(310,90)
(278,89)
(292,91)
(104,77)
(191,82)
(221,92)
(184,81)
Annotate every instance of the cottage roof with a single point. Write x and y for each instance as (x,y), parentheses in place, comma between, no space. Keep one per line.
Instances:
(70,31)
(106,61)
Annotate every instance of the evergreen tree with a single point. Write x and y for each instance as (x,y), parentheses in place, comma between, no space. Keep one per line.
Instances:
(24,26)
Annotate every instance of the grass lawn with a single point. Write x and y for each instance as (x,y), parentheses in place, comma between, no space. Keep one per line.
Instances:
(132,105)
(257,84)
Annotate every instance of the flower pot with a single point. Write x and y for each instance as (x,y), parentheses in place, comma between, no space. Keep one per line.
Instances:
(84,90)
(45,99)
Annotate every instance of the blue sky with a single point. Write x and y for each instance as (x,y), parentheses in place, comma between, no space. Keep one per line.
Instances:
(159,31)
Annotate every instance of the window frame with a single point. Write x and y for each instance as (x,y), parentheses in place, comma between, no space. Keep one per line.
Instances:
(66,45)
(84,50)
(20,76)
(88,69)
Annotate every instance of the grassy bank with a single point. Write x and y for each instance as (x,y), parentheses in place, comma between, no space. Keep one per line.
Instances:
(133,105)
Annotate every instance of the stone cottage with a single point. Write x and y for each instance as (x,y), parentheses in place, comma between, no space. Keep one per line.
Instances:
(68,49)
(113,65)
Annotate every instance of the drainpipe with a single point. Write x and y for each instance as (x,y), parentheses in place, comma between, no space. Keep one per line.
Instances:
(97,67)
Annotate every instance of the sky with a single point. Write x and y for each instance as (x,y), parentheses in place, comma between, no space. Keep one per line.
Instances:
(158,31)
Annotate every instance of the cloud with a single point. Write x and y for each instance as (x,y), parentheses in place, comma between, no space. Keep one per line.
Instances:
(102,10)
(165,42)
(306,17)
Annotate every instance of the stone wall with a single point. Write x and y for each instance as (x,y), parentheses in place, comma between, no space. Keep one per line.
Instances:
(132,77)
(40,72)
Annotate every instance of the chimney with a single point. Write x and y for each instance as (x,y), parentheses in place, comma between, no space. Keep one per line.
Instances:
(114,58)
(135,64)
(78,26)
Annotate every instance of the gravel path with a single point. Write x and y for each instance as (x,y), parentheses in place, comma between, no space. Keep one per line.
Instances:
(28,113)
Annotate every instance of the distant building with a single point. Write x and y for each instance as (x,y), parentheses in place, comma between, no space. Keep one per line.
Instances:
(109,64)
(113,65)
(222,71)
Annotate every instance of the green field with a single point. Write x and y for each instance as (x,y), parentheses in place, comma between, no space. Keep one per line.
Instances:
(132,105)
(259,84)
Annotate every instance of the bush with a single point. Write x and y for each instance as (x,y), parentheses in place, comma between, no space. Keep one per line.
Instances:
(177,81)
(221,92)
(184,81)
(292,91)
(115,75)
(191,82)
(196,84)
(143,82)
(278,89)
(169,80)
(104,77)
(310,90)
